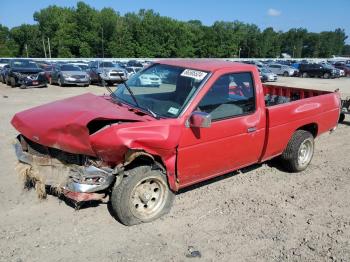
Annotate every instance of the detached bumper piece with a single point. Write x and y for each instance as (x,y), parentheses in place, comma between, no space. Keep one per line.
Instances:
(77,183)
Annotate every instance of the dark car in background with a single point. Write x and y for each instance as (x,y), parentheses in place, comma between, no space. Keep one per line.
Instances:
(25,73)
(317,70)
(68,74)
(48,68)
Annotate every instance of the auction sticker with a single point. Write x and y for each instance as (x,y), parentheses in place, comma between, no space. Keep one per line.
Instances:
(173,110)
(198,75)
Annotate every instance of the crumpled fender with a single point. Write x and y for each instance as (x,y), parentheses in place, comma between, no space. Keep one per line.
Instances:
(158,138)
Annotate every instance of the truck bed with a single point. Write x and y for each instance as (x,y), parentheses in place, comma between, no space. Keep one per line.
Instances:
(275,95)
(289,109)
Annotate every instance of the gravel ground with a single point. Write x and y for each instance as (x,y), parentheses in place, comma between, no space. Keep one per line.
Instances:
(258,214)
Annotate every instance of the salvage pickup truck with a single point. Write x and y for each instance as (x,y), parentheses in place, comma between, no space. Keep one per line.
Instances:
(138,145)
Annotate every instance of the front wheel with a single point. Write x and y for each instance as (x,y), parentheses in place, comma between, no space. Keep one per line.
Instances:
(285,74)
(326,75)
(13,82)
(60,82)
(143,195)
(299,152)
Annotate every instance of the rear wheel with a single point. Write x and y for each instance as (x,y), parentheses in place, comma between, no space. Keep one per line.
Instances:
(304,75)
(285,73)
(142,196)
(299,152)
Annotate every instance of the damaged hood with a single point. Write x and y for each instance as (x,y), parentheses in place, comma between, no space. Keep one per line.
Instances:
(64,124)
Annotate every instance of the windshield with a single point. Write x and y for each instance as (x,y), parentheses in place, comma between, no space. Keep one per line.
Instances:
(84,67)
(70,68)
(162,89)
(24,64)
(265,70)
(107,64)
(4,61)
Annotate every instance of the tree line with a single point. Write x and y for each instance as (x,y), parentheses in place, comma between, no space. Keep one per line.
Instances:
(83,31)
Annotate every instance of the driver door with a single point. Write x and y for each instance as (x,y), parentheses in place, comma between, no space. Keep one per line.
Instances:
(235,137)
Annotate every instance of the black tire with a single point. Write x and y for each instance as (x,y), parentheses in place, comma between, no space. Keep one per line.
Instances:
(103,82)
(13,82)
(131,210)
(292,157)
(326,75)
(304,75)
(285,73)
(341,118)
(7,82)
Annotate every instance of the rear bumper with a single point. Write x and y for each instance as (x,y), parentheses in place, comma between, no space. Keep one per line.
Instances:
(72,180)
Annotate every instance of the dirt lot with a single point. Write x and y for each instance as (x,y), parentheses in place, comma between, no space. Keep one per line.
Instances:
(260,214)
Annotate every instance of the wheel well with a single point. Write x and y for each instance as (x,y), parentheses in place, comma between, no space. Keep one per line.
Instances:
(312,128)
(144,159)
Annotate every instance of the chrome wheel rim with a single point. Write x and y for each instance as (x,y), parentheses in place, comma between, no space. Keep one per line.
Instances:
(148,197)
(305,152)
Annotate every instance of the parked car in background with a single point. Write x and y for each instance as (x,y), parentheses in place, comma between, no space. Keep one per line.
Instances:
(48,68)
(132,70)
(317,70)
(25,73)
(83,66)
(3,73)
(68,74)
(149,79)
(283,70)
(267,75)
(3,62)
(344,67)
(106,73)
(135,63)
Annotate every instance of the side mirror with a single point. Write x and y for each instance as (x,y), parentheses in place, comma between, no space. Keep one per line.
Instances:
(199,120)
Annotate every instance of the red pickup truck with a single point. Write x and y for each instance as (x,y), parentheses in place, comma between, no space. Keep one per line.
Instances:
(138,145)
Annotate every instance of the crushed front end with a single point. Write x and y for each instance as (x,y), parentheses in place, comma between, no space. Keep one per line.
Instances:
(77,177)
(31,79)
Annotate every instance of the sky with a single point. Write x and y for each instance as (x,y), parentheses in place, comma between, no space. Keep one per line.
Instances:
(314,15)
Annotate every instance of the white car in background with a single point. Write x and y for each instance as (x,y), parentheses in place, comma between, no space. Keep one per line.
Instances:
(267,75)
(283,70)
(132,70)
(148,80)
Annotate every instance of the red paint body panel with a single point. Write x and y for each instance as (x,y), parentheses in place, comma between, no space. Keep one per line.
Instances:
(190,155)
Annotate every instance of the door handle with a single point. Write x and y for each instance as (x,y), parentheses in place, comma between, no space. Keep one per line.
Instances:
(251,129)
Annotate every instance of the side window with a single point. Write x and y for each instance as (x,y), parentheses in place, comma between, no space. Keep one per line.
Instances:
(231,95)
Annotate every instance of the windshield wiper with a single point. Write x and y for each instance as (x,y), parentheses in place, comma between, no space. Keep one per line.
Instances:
(112,93)
(129,90)
(134,98)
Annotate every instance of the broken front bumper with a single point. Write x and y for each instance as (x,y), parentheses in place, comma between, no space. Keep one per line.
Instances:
(71,179)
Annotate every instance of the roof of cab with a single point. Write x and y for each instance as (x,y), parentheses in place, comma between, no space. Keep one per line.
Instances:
(205,64)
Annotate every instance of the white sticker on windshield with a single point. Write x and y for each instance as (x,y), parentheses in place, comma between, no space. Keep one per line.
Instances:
(173,110)
(199,75)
